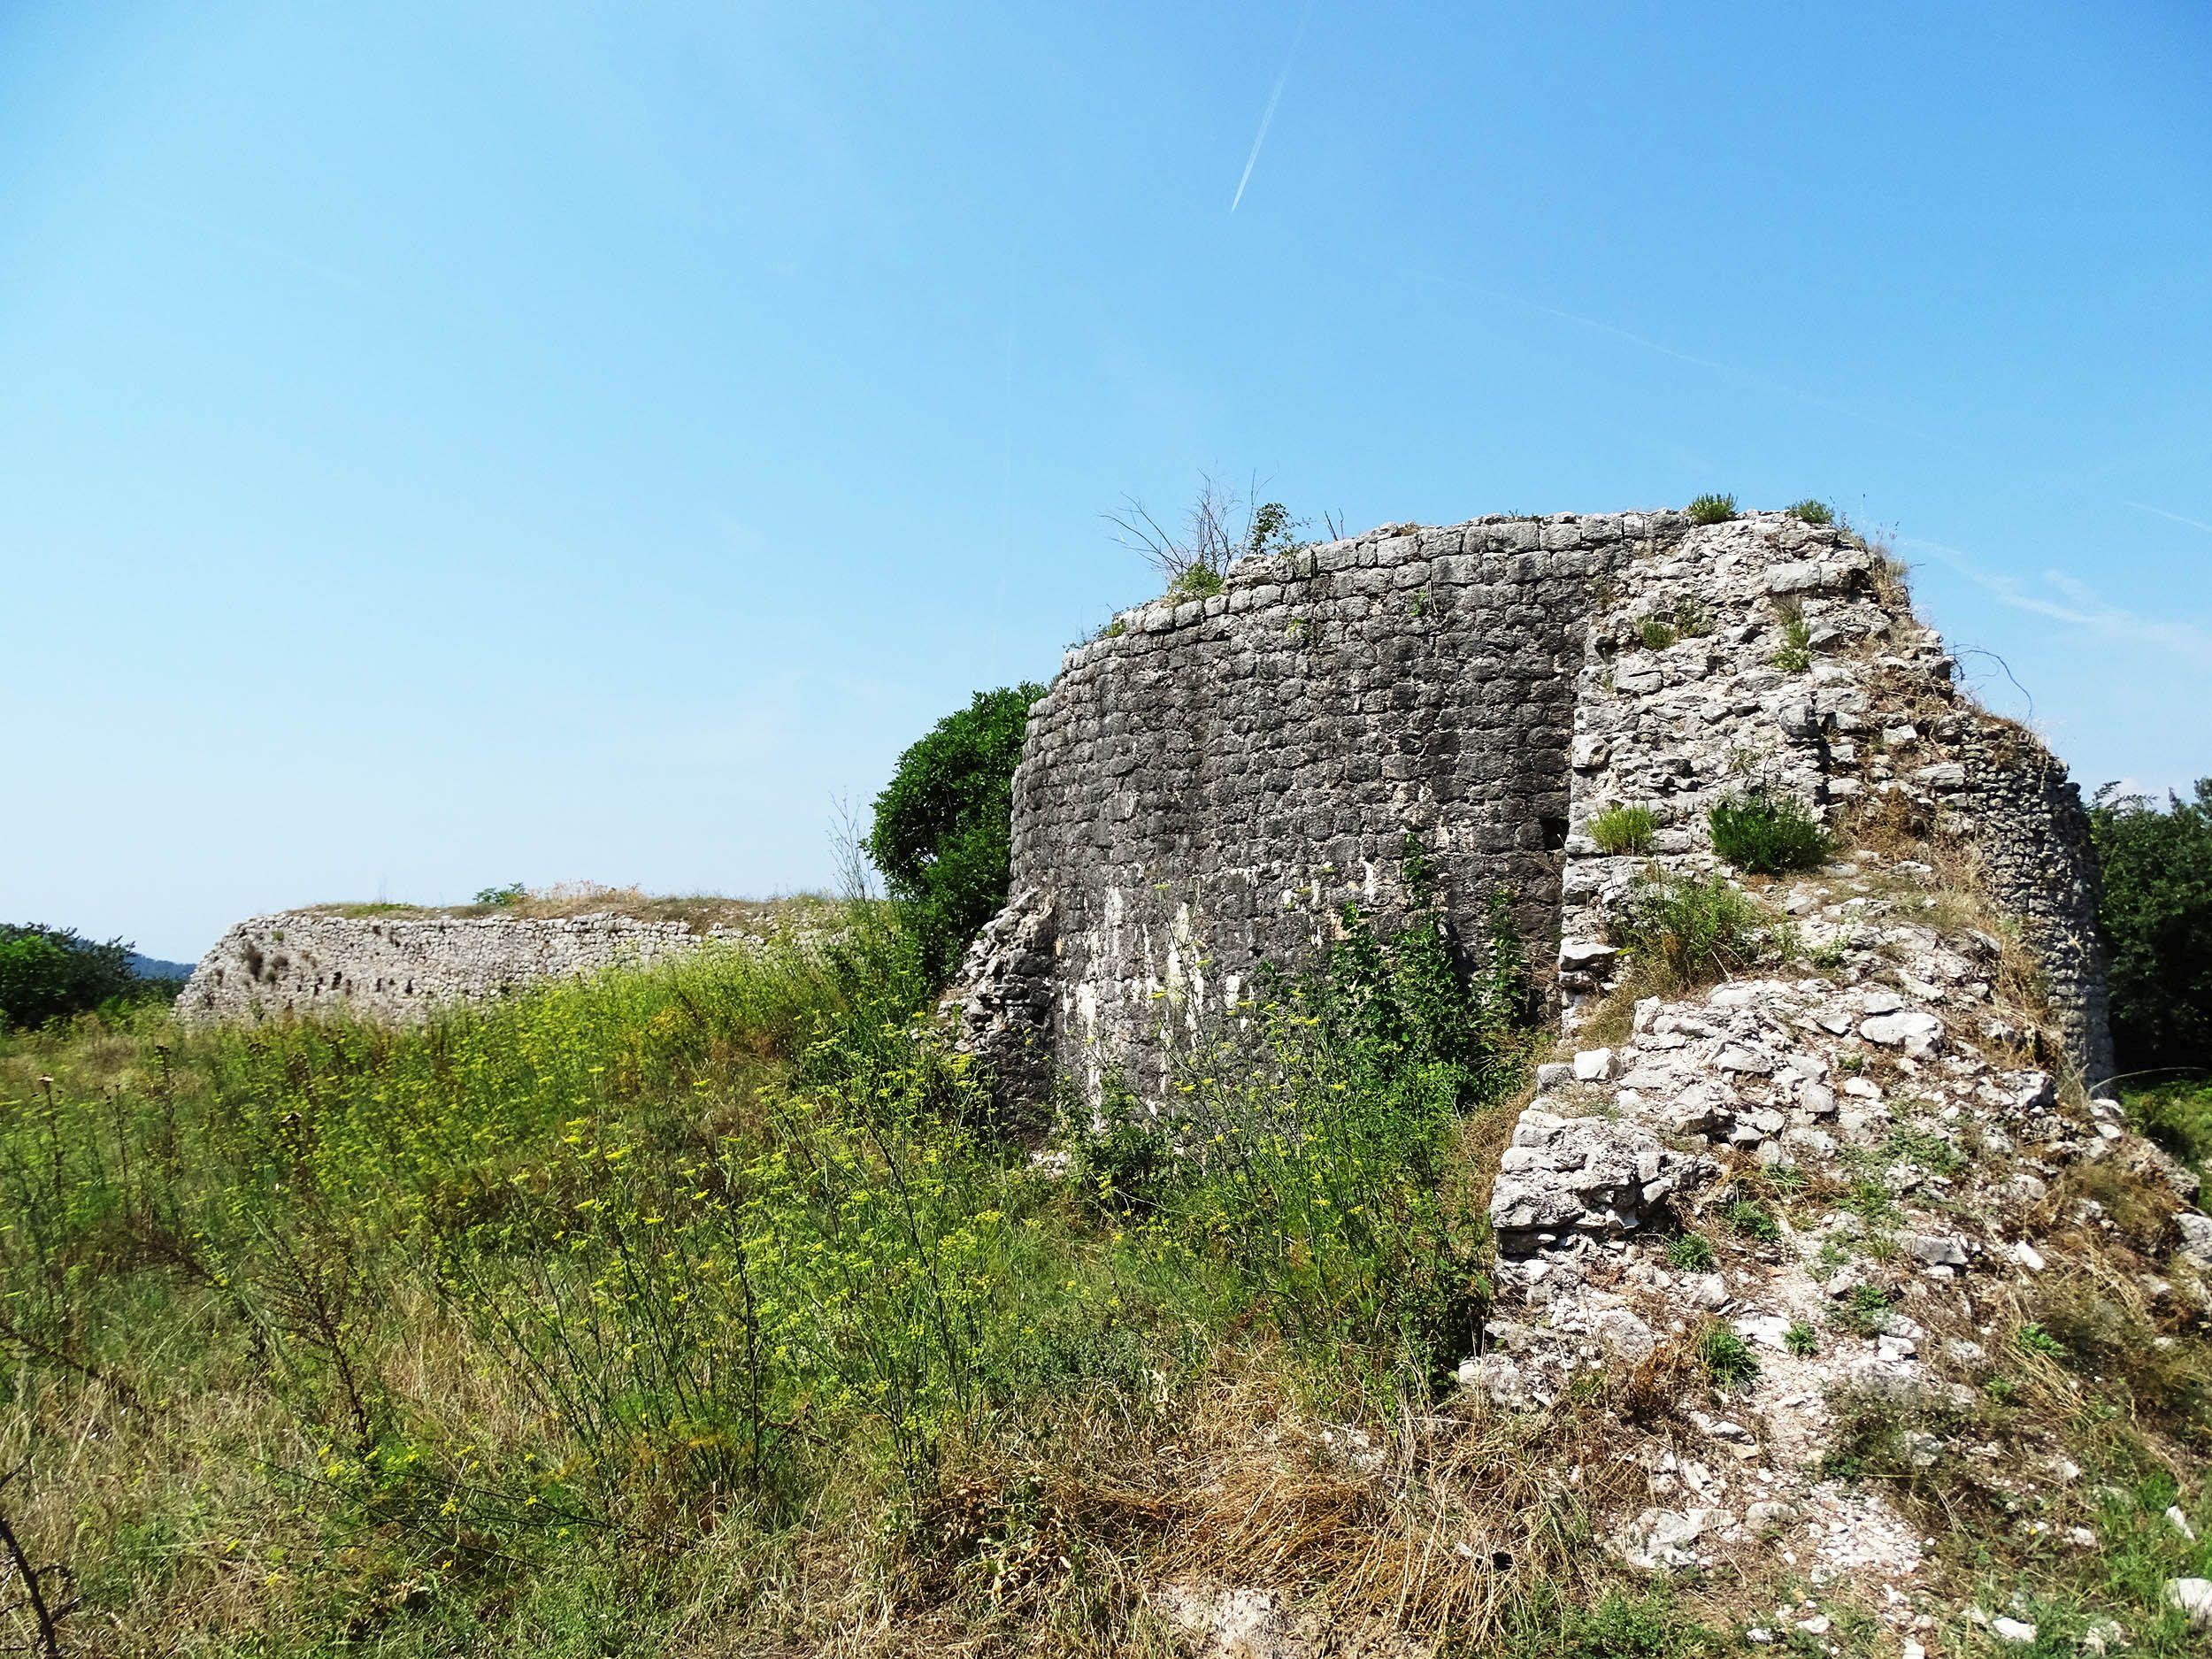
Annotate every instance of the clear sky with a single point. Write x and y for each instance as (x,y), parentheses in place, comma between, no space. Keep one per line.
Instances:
(450,443)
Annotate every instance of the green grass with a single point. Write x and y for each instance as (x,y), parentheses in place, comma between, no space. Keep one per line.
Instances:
(1725,1358)
(1712,509)
(1751,1219)
(1624,829)
(1684,931)
(1812,511)
(1656,633)
(1690,1253)
(699,1298)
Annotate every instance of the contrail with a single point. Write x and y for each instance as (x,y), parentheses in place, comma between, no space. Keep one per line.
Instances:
(2194,524)
(1273,98)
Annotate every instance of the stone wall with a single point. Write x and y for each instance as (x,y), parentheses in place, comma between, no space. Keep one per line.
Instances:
(400,966)
(1202,790)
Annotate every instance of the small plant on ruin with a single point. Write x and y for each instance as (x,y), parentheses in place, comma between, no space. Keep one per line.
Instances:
(1220,526)
(1795,655)
(1812,511)
(1712,509)
(1864,1311)
(1800,1339)
(1768,835)
(1684,931)
(1690,1253)
(513,893)
(1624,829)
(1691,620)
(1726,1357)
(1750,1219)
(1657,633)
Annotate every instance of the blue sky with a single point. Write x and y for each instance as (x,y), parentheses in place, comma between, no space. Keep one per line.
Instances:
(448,444)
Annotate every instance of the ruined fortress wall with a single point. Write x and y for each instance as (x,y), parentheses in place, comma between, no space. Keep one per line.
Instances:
(1205,790)
(1201,792)
(398,967)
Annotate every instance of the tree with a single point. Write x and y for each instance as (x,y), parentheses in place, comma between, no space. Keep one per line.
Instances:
(48,972)
(943,829)
(2157,916)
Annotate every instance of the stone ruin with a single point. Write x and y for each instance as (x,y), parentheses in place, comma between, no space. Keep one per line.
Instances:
(1207,785)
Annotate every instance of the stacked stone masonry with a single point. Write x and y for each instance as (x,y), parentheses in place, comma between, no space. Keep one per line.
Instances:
(1203,789)
(398,967)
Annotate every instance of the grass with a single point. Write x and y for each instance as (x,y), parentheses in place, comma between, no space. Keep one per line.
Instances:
(1624,829)
(1690,1253)
(1767,835)
(1712,509)
(1726,1357)
(1656,633)
(1683,932)
(707,1309)
(697,911)
(1812,511)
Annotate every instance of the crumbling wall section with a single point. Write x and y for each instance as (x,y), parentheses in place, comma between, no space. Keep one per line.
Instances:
(1202,790)
(308,962)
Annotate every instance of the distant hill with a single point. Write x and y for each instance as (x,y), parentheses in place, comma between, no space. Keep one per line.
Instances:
(155,968)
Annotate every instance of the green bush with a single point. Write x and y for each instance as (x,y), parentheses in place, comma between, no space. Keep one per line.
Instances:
(1767,835)
(1812,511)
(1690,1253)
(1684,931)
(943,829)
(1751,1219)
(49,973)
(1712,509)
(1794,654)
(513,893)
(1657,633)
(1316,1148)
(1624,829)
(2156,912)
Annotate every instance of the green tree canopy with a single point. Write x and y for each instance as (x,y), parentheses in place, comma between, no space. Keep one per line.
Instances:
(2157,916)
(943,829)
(47,973)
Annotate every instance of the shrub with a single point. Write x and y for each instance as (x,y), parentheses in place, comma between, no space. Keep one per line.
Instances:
(1727,1359)
(1794,654)
(1316,1144)
(1754,1220)
(513,893)
(1221,526)
(943,829)
(2156,913)
(1767,835)
(49,973)
(1712,509)
(1812,511)
(1690,1253)
(2178,1116)
(1687,931)
(1656,635)
(1691,619)
(1624,829)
